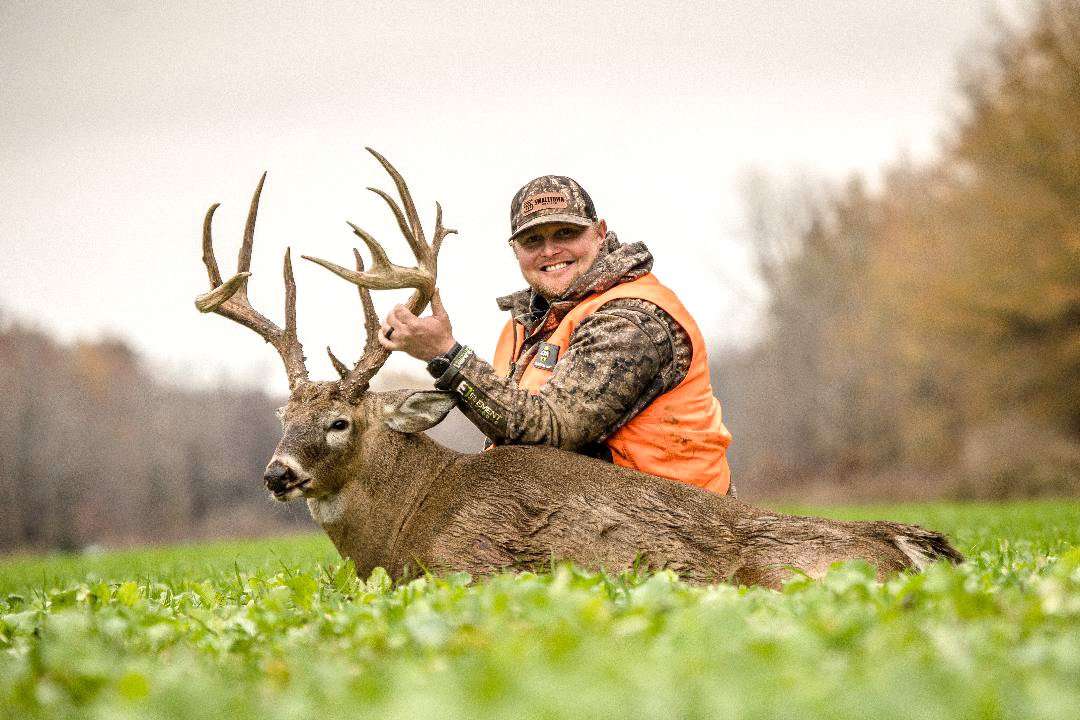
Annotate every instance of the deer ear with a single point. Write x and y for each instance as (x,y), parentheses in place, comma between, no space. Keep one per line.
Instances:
(422,410)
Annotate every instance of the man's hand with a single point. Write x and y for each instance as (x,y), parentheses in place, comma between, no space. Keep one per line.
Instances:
(421,337)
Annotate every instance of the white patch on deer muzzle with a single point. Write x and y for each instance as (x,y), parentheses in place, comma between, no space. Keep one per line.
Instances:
(303,477)
(326,510)
(918,556)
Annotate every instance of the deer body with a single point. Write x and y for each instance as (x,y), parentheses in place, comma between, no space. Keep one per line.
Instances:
(389,496)
(413,505)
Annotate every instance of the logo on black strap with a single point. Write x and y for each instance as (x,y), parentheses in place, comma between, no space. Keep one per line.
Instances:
(482,405)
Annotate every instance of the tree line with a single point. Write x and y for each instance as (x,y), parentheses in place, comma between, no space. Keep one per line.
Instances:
(94,449)
(923,336)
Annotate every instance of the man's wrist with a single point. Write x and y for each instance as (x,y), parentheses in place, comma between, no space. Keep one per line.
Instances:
(451,343)
(440,363)
(457,357)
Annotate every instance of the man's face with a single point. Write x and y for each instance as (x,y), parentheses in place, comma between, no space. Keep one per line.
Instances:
(553,255)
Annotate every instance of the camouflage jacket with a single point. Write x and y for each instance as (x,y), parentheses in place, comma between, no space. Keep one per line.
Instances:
(619,359)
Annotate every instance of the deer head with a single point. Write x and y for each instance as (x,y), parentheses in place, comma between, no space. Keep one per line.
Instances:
(326,426)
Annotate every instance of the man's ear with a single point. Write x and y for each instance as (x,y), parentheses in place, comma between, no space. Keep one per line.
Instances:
(422,410)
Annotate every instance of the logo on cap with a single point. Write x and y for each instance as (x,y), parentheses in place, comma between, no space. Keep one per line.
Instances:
(543,201)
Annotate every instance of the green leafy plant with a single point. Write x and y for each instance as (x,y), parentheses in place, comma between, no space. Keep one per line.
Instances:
(283,628)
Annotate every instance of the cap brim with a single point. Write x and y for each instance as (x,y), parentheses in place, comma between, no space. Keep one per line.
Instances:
(553,218)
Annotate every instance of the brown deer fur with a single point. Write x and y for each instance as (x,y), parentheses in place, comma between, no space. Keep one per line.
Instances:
(401,501)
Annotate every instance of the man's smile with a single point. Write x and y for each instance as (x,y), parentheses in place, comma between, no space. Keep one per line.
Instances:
(554,255)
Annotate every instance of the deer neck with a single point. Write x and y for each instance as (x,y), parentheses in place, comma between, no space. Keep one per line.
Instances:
(391,480)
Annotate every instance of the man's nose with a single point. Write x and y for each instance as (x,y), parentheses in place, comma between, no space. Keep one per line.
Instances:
(278,476)
(550,247)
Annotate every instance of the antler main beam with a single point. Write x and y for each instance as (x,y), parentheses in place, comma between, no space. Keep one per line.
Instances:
(230,298)
(385,275)
(371,321)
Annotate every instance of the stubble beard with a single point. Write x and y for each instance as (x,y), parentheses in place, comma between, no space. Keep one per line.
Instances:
(547,292)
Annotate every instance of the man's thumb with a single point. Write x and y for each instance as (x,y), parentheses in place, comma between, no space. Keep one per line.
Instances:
(437,308)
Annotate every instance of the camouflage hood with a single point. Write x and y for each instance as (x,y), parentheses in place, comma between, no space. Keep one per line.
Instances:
(616,264)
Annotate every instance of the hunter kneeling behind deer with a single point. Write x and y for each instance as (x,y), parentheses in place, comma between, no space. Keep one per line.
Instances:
(389,496)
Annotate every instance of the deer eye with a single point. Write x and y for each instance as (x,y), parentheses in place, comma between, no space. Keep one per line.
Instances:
(339,424)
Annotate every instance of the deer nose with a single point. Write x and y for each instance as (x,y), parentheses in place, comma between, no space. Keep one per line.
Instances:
(278,476)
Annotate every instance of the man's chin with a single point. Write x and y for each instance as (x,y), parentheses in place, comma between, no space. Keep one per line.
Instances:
(545,293)
(551,291)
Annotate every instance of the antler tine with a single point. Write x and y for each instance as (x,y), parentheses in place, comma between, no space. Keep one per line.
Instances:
(342,368)
(417,233)
(379,261)
(291,351)
(440,234)
(371,320)
(243,262)
(290,295)
(208,247)
(385,275)
(419,248)
(229,299)
(374,354)
(395,278)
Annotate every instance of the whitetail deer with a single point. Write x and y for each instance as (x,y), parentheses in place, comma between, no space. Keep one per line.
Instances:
(389,496)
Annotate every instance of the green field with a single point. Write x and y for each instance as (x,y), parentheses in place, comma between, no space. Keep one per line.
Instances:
(278,628)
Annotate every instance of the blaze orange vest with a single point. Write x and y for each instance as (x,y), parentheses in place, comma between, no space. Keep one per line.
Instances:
(680,435)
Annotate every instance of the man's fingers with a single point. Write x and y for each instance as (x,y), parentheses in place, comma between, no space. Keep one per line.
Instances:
(393,321)
(402,316)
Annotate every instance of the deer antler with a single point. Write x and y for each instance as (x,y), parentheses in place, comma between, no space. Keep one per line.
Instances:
(385,275)
(371,320)
(230,299)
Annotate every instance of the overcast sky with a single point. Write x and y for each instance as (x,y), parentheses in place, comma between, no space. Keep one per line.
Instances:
(121,122)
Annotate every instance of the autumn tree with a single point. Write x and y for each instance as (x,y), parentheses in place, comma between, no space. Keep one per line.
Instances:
(934,324)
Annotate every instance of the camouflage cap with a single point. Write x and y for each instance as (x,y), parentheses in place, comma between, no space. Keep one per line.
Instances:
(551,198)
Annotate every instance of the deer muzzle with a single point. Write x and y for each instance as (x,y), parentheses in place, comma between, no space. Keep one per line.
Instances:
(282,481)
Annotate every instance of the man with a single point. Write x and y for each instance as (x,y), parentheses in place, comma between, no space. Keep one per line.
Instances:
(598,357)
